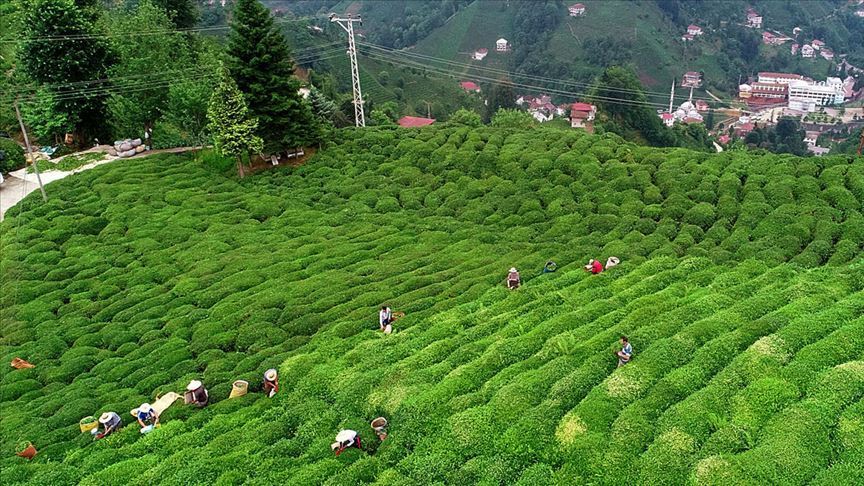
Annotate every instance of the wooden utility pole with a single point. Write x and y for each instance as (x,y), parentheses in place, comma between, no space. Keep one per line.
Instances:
(30,153)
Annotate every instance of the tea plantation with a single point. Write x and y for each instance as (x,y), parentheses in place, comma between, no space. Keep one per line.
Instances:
(739,287)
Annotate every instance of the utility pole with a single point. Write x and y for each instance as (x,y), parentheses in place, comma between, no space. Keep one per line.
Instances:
(347,24)
(30,153)
(428,109)
(671,95)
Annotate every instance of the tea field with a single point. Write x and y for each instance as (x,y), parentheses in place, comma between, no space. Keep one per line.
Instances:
(740,287)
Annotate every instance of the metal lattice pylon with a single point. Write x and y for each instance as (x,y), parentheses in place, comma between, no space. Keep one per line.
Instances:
(347,23)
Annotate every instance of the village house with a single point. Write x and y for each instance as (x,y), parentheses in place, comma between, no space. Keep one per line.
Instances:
(470,86)
(501,45)
(745,91)
(687,37)
(701,105)
(668,118)
(743,129)
(817,150)
(479,54)
(694,30)
(810,137)
(795,49)
(807,51)
(817,44)
(773,40)
(754,20)
(577,9)
(414,121)
(724,139)
(827,53)
(582,116)
(691,79)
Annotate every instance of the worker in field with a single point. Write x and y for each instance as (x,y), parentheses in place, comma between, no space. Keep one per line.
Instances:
(550,267)
(271,383)
(626,352)
(513,279)
(346,439)
(594,266)
(196,394)
(147,417)
(110,422)
(385,317)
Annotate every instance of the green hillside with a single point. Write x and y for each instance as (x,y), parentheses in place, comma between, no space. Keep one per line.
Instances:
(740,288)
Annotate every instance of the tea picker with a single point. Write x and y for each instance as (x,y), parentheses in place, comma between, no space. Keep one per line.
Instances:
(384,317)
(147,418)
(550,267)
(110,422)
(346,439)
(626,352)
(594,266)
(513,279)
(271,382)
(196,394)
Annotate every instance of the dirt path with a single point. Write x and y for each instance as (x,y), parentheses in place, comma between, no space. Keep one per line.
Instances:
(19,183)
(712,95)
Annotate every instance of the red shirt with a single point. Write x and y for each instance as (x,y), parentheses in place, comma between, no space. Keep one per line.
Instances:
(596,267)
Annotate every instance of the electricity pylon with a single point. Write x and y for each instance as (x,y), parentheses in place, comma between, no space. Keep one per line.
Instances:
(347,23)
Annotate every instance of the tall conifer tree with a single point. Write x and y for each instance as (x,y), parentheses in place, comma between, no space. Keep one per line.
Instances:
(260,62)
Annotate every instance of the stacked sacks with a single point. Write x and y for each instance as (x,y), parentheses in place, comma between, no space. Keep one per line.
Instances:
(128,148)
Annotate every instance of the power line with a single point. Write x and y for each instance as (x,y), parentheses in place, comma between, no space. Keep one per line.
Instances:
(131,86)
(490,70)
(498,81)
(103,86)
(57,38)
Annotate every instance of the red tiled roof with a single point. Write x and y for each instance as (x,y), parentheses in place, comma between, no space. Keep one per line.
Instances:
(585,107)
(769,74)
(469,86)
(693,27)
(579,114)
(415,121)
(666,116)
(577,5)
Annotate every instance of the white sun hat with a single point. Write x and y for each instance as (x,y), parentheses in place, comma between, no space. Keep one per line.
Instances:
(145,408)
(270,374)
(105,418)
(193,385)
(512,269)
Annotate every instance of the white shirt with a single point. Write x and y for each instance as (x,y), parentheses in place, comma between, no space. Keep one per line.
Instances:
(383,314)
(346,437)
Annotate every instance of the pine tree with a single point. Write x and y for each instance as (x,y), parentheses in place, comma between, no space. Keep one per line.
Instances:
(183,13)
(260,62)
(229,121)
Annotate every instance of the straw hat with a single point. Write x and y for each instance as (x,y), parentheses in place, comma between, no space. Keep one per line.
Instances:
(591,261)
(105,418)
(193,385)
(512,269)
(270,374)
(145,408)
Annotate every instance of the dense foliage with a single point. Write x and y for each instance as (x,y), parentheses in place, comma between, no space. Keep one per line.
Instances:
(736,289)
(11,155)
(62,49)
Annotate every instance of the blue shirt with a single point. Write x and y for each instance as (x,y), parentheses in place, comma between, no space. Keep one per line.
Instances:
(146,416)
(628,350)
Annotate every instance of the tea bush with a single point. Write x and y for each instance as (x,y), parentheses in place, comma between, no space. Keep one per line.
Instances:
(738,288)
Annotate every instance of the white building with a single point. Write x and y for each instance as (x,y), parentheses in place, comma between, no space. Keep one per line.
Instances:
(693,29)
(754,20)
(501,45)
(806,96)
(808,51)
(577,9)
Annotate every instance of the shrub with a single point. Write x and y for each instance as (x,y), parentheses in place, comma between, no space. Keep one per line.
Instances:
(11,155)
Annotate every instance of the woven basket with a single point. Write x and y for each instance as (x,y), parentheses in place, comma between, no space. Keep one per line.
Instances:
(239,389)
(88,423)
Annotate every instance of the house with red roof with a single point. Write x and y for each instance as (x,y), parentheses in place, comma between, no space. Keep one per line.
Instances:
(414,121)
(582,116)
(470,86)
(479,54)
(817,44)
(576,10)
(754,20)
(668,118)
(691,79)
(694,29)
